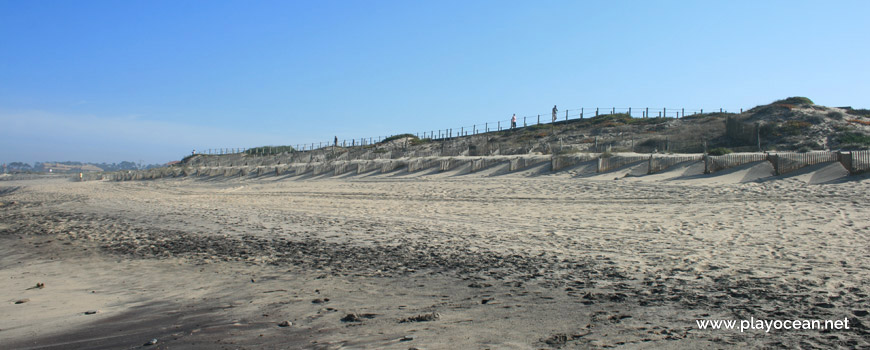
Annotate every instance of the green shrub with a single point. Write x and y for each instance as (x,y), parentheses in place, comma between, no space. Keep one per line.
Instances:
(652,143)
(769,130)
(797,100)
(854,138)
(401,136)
(719,151)
(536,127)
(612,119)
(859,112)
(835,115)
(416,141)
(794,127)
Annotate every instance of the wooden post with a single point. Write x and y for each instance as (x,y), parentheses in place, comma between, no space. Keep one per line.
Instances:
(684,113)
(524,122)
(629,111)
(581,112)
(539,119)
(758,135)
(613,111)
(596,111)
(647,113)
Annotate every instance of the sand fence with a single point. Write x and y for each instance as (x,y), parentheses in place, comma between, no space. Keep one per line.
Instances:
(608,161)
(659,163)
(855,162)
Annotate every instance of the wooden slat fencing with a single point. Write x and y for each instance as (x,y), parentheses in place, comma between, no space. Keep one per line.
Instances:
(391,165)
(856,162)
(659,163)
(713,164)
(560,162)
(617,161)
(422,163)
(483,163)
(523,162)
(342,167)
(784,163)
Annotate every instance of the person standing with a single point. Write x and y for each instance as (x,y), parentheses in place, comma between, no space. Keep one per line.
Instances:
(336,141)
(514,121)
(554,113)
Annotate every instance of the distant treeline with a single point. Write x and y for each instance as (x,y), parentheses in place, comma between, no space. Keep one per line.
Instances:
(69,166)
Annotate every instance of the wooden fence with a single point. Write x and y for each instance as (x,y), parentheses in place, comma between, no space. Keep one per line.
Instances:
(784,163)
(422,163)
(483,163)
(525,162)
(560,162)
(713,164)
(617,161)
(659,163)
(856,162)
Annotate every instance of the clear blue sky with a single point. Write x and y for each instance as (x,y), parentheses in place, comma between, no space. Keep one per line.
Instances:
(152,80)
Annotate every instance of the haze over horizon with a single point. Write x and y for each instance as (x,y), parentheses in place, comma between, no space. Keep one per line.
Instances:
(103,81)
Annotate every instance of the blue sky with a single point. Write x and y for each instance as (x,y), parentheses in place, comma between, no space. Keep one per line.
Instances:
(152,80)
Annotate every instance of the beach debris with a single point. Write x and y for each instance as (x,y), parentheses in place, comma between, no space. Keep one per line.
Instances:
(285,324)
(354,317)
(351,318)
(422,318)
(560,339)
(486,300)
(407,338)
(91,312)
(479,285)
(151,342)
(320,301)
(22,301)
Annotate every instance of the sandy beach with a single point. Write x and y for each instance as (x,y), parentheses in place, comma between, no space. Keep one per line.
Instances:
(444,260)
